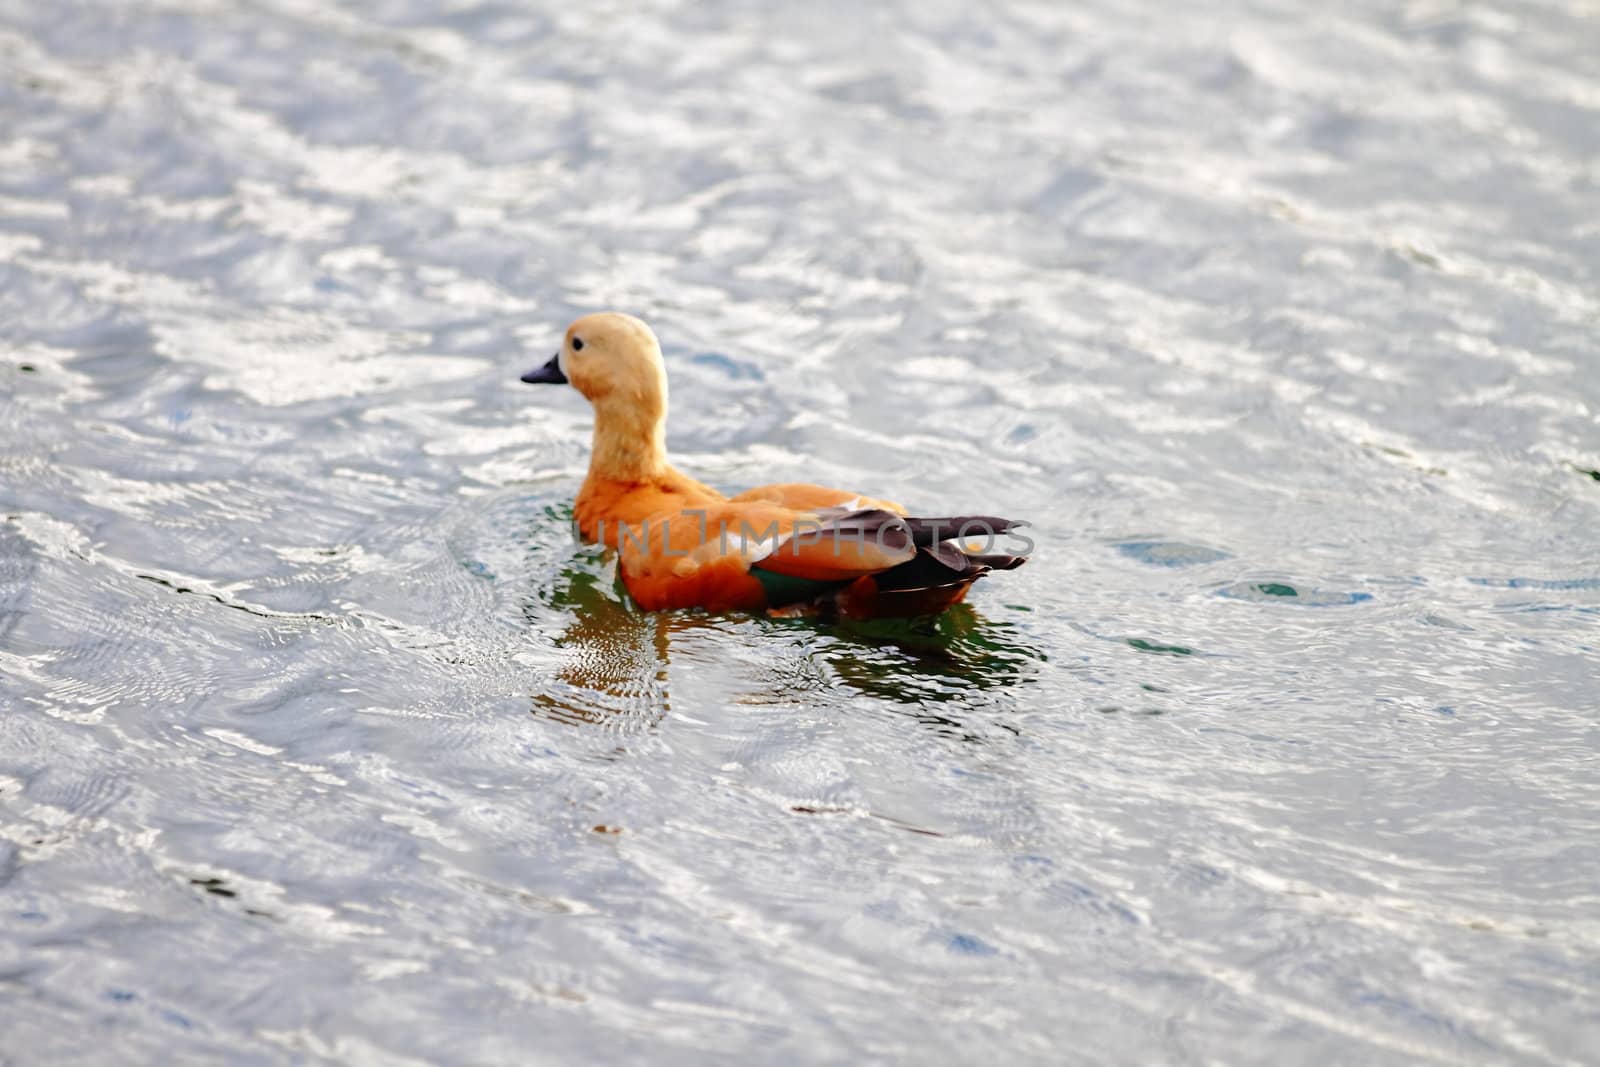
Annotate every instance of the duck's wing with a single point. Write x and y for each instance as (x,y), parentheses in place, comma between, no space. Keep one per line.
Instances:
(911,565)
(839,545)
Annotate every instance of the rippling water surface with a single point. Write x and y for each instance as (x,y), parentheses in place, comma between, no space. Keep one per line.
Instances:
(323,741)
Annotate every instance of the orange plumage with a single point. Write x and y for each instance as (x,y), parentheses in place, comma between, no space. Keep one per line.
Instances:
(790,546)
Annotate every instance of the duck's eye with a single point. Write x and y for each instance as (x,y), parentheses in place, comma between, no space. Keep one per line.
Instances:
(577,344)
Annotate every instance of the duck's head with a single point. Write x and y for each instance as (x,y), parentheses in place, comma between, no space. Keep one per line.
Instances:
(612,359)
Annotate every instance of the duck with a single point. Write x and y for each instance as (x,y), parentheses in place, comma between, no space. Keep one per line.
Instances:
(789,549)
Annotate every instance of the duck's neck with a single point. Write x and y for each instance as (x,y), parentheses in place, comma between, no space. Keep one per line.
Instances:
(630,443)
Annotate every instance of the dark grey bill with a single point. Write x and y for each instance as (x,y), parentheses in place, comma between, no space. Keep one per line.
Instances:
(549,374)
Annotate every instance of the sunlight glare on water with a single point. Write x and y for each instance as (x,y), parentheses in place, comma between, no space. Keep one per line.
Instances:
(321,740)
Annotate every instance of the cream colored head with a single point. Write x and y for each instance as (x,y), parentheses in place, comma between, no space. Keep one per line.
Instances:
(615,361)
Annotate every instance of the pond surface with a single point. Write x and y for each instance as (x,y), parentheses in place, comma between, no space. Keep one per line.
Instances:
(323,742)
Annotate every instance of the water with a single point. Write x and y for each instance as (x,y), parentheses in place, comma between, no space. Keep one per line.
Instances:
(323,742)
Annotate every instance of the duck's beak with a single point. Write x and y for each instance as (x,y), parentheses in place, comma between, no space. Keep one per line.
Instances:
(549,374)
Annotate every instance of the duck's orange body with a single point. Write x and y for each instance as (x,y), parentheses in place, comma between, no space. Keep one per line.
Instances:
(683,544)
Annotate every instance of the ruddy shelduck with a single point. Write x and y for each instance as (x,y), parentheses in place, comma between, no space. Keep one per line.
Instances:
(788,548)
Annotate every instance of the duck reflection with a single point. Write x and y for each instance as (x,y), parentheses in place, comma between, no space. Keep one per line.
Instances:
(616,658)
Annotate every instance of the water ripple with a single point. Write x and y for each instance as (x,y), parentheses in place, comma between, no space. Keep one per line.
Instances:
(313,706)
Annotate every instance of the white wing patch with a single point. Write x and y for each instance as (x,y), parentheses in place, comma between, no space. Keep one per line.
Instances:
(751,550)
